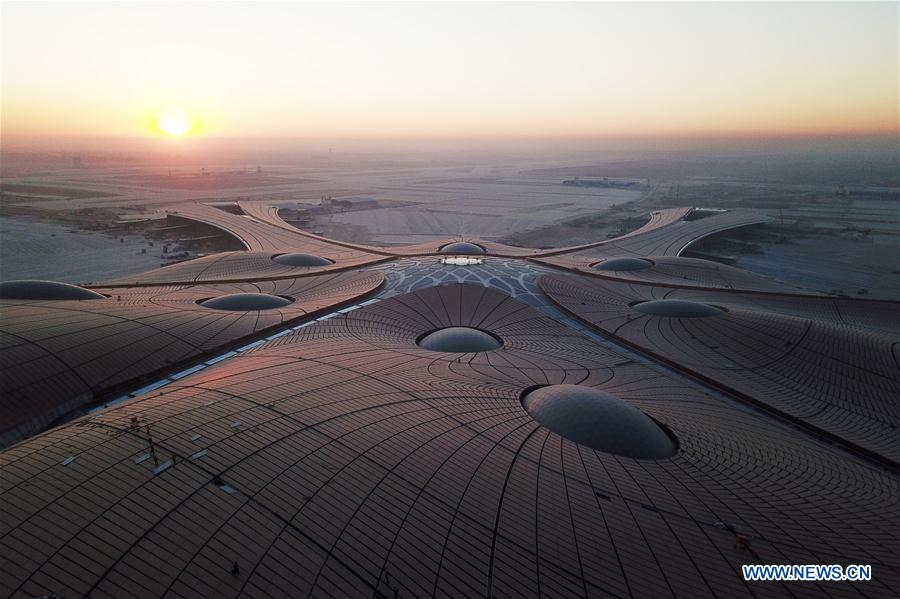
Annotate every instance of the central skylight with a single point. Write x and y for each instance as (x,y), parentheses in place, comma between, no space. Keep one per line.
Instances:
(463,247)
(459,340)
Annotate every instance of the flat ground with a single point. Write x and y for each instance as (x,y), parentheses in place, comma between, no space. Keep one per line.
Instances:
(30,249)
(413,203)
(492,209)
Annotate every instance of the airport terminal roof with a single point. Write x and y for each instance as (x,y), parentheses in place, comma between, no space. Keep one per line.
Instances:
(623,263)
(156,446)
(808,358)
(60,355)
(675,308)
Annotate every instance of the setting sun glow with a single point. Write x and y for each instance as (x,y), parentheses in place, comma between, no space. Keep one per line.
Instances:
(443,70)
(174,121)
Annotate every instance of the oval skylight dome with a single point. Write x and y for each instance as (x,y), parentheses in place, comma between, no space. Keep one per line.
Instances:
(296,259)
(45,290)
(246,302)
(459,340)
(599,420)
(463,247)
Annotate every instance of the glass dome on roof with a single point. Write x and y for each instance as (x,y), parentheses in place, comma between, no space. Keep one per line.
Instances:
(623,263)
(45,290)
(297,259)
(246,302)
(599,420)
(463,247)
(459,340)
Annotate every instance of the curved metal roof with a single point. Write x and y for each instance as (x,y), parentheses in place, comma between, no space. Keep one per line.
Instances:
(677,308)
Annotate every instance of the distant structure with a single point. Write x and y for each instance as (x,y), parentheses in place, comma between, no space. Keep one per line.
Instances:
(76,162)
(340,205)
(604,182)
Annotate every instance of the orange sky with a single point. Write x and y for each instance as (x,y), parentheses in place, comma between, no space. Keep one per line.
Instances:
(422,70)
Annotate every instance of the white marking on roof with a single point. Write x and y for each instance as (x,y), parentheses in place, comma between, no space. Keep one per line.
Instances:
(162,467)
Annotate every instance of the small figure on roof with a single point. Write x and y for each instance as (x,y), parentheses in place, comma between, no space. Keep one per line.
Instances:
(741,543)
(235,569)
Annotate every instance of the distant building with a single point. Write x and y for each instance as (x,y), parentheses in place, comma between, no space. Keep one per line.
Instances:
(362,203)
(604,182)
(348,203)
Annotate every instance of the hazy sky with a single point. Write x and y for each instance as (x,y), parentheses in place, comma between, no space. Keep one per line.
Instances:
(436,69)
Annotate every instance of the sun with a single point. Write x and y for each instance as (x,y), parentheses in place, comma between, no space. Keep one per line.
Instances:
(174,121)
